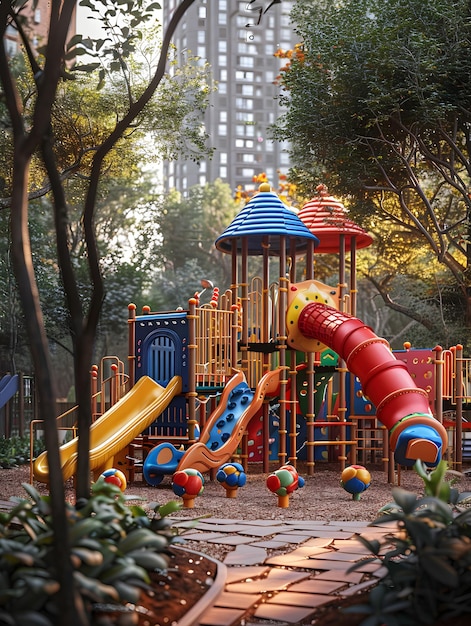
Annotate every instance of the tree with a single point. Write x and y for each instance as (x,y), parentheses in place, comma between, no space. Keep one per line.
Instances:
(33,137)
(378,106)
(188,228)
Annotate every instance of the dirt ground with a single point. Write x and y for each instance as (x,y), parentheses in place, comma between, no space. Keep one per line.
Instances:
(321,498)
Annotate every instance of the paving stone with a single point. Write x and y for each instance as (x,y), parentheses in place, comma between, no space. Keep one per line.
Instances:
(237,574)
(291,537)
(230,540)
(294,559)
(246,555)
(314,585)
(222,528)
(236,600)
(280,613)
(204,536)
(291,598)
(260,531)
(217,616)
(340,576)
(269,544)
(270,583)
(331,555)
(351,591)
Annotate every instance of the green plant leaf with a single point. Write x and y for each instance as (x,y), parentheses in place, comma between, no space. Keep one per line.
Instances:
(405,499)
(170,507)
(149,560)
(439,568)
(142,538)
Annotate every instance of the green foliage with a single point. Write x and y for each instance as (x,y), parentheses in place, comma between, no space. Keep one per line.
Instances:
(378,107)
(188,228)
(14,451)
(428,560)
(114,546)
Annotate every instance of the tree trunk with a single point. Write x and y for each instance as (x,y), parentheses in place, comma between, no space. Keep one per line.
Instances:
(24,273)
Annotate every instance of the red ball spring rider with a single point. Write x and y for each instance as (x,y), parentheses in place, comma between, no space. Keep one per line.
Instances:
(188,483)
(115,477)
(283,482)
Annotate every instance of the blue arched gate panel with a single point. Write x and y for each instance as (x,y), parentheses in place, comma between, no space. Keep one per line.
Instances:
(162,353)
(162,347)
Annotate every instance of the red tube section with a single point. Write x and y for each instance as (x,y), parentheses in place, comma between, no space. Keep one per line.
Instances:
(400,405)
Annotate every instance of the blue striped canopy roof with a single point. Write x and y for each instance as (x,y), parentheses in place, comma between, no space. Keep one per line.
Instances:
(265,219)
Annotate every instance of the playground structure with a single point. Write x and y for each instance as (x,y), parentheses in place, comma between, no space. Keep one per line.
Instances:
(17,404)
(339,390)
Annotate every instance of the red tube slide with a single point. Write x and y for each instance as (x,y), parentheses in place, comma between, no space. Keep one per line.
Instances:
(400,405)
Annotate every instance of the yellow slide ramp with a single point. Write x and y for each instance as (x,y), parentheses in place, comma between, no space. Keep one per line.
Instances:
(116,428)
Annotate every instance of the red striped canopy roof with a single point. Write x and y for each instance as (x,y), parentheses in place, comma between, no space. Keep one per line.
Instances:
(326,217)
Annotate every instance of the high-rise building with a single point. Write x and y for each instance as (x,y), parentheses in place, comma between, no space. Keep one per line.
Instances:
(238,39)
(36,26)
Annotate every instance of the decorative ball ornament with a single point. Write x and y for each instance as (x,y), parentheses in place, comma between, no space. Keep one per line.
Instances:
(115,477)
(355,479)
(188,483)
(283,482)
(231,476)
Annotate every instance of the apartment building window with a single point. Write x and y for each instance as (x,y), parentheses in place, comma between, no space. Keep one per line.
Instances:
(241,75)
(222,60)
(222,88)
(286,36)
(37,16)
(244,103)
(222,19)
(223,158)
(201,52)
(202,13)
(223,75)
(246,61)
(222,5)
(222,171)
(248,172)
(222,129)
(284,158)
(245,48)
(247,158)
(247,90)
(222,46)
(244,116)
(202,179)
(201,37)
(223,116)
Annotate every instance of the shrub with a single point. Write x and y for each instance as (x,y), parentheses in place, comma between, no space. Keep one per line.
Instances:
(428,559)
(114,545)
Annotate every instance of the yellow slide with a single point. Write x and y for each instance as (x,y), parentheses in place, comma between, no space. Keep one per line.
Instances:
(116,428)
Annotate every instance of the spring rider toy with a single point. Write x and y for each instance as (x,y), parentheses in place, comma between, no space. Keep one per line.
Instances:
(283,482)
(115,477)
(231,476)
(355,479)
(188,483)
